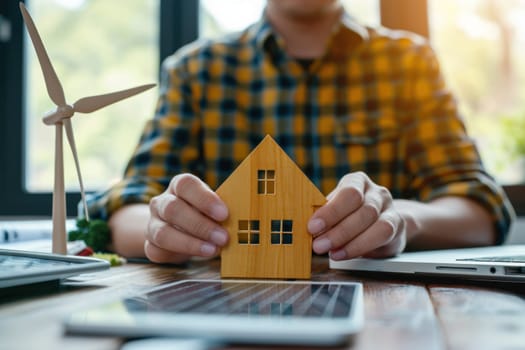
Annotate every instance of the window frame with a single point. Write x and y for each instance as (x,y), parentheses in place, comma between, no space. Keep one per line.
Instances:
(266,182)
(17,202)
(251,228)
(281,232)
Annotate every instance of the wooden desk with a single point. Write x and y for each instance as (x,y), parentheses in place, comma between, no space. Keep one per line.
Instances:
(399,315)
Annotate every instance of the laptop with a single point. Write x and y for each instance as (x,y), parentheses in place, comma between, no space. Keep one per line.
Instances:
(496,263)
(19,267)
(264,312)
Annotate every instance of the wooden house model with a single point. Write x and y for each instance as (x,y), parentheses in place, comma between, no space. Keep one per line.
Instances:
(270,201)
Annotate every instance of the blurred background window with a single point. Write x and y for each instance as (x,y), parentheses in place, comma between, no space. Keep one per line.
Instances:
(481,46)
(94,50)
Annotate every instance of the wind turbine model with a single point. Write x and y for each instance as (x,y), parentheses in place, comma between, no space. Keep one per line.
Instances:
(62,117)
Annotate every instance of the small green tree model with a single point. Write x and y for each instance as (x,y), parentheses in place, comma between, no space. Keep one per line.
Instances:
(95,233)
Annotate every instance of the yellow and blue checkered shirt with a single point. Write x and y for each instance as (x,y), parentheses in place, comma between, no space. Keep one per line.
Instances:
(375,102)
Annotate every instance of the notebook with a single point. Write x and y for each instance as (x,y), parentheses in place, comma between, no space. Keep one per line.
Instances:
(18,267)
(496,263)
(265,312)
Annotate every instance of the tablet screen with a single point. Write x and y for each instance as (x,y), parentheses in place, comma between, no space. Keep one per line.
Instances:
(271,299)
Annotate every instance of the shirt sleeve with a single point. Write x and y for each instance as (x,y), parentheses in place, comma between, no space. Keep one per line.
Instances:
(168,146)
(442,158)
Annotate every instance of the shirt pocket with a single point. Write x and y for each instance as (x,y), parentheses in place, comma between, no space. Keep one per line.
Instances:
(367,131)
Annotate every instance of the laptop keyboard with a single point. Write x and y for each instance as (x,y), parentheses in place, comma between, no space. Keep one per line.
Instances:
(512,259)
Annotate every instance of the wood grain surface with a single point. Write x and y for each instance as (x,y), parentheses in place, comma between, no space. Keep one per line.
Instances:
(398,314)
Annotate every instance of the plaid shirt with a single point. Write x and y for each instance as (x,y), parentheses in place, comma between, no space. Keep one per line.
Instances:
(375,102)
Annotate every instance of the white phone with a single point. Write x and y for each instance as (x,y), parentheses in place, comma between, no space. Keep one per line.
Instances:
(233,311)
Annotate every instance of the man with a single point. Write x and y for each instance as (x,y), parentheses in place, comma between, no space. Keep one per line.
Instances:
(363,112)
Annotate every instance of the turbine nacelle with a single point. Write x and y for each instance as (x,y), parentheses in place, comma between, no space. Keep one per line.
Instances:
(60,113)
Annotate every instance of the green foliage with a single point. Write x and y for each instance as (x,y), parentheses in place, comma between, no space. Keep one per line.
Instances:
(95,233)
(514,129)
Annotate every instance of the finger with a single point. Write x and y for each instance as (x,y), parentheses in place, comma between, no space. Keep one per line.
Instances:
(172,239)
(199,195)
(379,234)
(352,225)
(178,213)
(347,197)
(159,255)
(396,246)
(357,179)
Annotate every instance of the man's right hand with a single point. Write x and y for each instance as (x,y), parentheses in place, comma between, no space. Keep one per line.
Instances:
(185,221)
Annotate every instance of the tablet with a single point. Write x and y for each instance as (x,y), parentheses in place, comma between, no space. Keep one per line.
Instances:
(19,267)
(233,311)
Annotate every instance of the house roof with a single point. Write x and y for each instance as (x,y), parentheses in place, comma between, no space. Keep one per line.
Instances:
(269,155)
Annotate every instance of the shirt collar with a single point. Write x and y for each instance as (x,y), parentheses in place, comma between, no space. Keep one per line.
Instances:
(348,33)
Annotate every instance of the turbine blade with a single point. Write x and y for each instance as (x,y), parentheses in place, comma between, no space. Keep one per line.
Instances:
(54,88)
(71,141)
(93,103)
